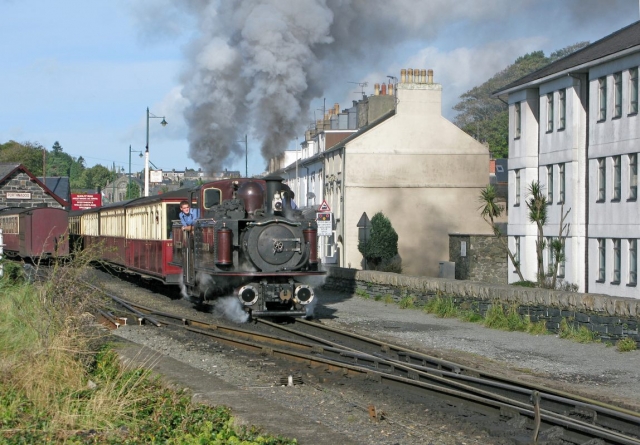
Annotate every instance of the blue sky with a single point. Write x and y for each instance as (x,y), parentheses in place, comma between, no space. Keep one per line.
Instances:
(83,73)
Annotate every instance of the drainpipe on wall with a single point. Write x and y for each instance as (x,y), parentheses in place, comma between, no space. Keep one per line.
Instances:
(342,216)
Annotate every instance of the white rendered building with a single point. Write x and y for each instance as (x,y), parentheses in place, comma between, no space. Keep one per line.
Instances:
(574,127)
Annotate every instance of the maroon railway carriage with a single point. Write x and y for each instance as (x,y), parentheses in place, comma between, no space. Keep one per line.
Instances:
(249,240)
(133,235)
(35,232)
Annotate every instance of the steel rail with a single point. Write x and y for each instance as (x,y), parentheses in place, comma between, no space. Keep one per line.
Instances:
(449,383)
(601,413)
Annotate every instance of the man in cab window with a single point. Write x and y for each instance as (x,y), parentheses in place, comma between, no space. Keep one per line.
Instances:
(188,216)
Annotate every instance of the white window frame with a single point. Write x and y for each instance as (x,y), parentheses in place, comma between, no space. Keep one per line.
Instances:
(633,177)
(633,90)
(562,108)
(617,95)
(633,262)
(602,98)
(561,183)
(602,260)
(617,178)
(517,120)
(549,112)
(617,256)
(550,184)
(602,179)
(517,188)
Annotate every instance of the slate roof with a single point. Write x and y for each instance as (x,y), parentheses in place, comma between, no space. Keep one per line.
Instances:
(623,39)
(58,185)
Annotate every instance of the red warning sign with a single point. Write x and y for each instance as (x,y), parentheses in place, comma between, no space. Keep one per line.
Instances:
(324,207)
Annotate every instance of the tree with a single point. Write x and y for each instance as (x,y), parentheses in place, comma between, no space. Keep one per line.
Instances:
(28,154)
(56,148)
(382,246)
(485,117)
(557,245)
(133,190)
(491,210)
(537,204)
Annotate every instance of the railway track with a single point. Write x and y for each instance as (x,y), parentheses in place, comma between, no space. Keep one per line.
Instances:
(536,411)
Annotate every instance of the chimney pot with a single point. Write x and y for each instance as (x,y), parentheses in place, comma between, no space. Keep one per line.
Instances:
(390,89)
(383,89)
(423,76)
(403,75)
(430,75)
(376,89)
(410,75)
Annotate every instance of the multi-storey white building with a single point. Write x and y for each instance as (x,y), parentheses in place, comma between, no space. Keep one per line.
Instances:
(574,127)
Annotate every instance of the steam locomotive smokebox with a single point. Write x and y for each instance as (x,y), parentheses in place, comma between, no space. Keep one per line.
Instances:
(447,269)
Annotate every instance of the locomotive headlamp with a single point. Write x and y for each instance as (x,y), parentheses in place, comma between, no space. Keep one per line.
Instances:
(277,203)
(303,294)
(248,294)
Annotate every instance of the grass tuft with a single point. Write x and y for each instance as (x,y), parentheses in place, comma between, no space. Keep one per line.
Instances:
(61,383)
(441,306)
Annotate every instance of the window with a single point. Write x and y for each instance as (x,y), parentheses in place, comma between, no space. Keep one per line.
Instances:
(562,108)
(601,260)
(633,90)
(550,184)
(617,178)
(602,179)
(616,261)
(633,177)
(517,120)
(516,254)
(562,182)
(211,198)
(517,191)
(602,98)
(562,263)
(617,95)
(549,112)
(550,255)
(633,262)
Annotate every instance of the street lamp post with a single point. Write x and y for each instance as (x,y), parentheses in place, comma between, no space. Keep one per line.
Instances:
(129,183)
(246,157)
(146,152)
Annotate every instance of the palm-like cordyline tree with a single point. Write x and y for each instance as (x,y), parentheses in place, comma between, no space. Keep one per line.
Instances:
(490,210)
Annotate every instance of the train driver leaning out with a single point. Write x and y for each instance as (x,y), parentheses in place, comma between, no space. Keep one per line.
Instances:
(188,215)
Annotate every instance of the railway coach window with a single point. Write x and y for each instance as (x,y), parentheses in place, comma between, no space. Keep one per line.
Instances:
(211,198)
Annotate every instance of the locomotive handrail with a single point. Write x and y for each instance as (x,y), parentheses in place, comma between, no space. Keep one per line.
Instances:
(283,221)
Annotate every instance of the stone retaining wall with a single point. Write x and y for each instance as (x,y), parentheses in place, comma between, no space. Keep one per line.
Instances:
(611,317)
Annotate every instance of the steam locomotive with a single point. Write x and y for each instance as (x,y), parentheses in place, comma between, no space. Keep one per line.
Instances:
(249,238)
(249,241)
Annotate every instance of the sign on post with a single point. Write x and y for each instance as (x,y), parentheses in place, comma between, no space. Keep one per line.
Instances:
(83,201)
(324,207)
(325,223)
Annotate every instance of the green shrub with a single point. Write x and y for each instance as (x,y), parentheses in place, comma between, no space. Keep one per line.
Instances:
(626,344)
(362,293)
(381,247)
(388,299)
